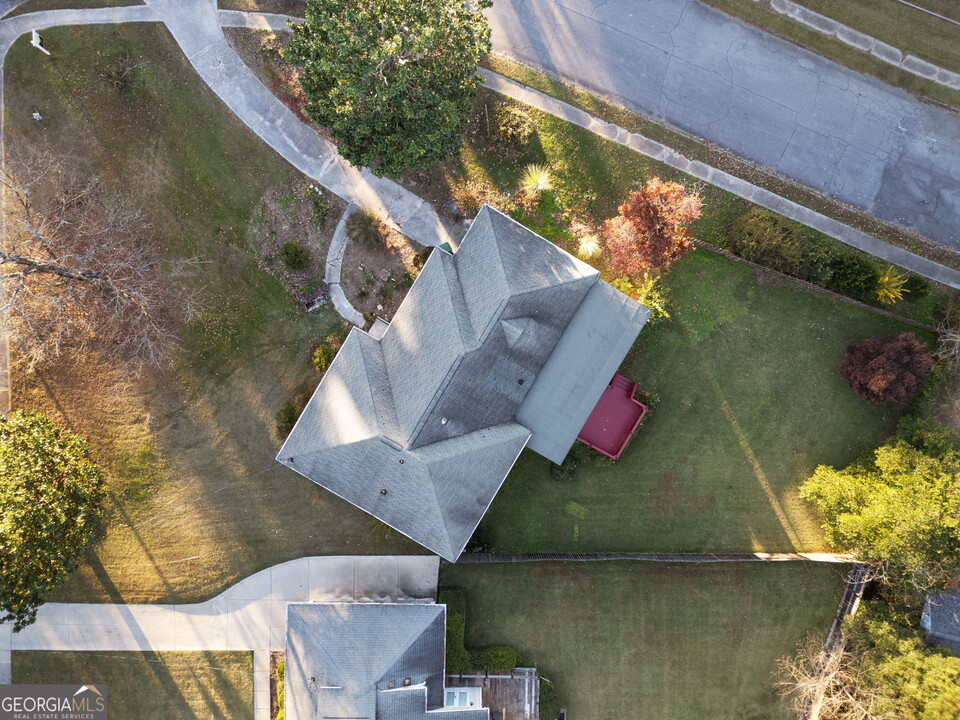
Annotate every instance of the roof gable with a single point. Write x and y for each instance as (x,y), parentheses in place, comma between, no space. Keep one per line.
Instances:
(420,427)
(339,654)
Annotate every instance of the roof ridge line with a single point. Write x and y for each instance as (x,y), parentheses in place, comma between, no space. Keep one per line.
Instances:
(500,485)
(494,234)
(387,426)
(406,647)
(468,334)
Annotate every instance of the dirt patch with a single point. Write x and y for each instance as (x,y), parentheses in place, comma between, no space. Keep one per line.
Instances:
(767,277)
(289,235)
(376,276)
(663,495)
(281,7)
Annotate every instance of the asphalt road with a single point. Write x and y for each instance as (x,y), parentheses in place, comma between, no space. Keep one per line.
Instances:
(850,136)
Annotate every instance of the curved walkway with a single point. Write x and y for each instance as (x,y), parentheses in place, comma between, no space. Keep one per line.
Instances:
(338,246)
(842,133)
(195,25)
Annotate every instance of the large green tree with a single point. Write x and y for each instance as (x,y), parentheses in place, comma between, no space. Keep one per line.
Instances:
(51,498)
(391,79)
(900,507)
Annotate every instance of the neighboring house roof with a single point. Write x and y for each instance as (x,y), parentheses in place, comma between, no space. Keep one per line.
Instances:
(366,662)
(510,341)
(941,619)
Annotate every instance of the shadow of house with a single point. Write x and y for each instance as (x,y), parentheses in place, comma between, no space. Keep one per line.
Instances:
(507,344)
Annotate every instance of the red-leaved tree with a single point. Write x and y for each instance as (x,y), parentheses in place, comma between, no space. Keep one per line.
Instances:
(887,369)
(650,233)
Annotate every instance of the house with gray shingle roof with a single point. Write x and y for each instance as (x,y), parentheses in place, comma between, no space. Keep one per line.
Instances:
(366,661)
(941,619)
(509,343)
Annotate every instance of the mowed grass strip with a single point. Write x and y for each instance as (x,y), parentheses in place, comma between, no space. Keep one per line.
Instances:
(644,640)
(151,685)
(750,402)
(197,500)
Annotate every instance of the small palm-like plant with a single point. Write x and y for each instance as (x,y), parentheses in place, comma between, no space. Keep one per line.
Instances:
(536,179)
(588,246)
(890,287)
(365,227)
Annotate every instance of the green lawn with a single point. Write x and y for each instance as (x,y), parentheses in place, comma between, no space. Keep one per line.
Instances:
(750,401)
(643,640)
(197,501)
(151,686)
(911,30)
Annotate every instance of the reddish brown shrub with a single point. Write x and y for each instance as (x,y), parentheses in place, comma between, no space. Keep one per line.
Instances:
(888,369)
(650,232)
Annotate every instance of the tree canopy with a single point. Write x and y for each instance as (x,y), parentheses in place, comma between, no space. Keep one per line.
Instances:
(900,507)
(650,233)
(884,672)
(391,79)
(911,679)
(51,498)
(79,270)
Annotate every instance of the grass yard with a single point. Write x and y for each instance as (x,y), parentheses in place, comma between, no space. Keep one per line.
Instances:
(643,640)
(197,501)
(746,370)
(149,685)
(750,401)
(906,28)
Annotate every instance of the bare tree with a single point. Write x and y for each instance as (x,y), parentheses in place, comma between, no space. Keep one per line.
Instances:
(820,684)
(948,338)
(78,269)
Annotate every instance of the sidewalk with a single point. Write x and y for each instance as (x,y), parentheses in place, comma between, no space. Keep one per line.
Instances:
(195,25)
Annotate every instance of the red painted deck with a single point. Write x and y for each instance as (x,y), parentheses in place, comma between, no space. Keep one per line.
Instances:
(614,419)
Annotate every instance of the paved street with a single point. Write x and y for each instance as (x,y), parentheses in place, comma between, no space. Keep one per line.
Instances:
(860,141)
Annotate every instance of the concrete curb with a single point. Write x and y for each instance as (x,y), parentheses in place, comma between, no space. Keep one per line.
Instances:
(335,253)
(724,180)
(865,43)
(695,558)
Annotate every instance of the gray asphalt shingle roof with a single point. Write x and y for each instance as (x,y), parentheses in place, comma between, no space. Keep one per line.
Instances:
(366,661)
(510,337)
